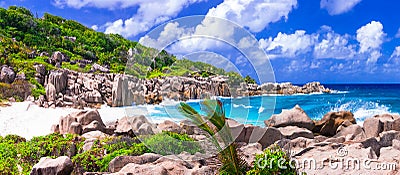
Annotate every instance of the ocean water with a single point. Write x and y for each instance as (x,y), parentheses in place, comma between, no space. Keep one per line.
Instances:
(363,100)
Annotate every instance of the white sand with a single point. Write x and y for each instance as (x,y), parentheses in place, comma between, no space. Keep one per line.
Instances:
(28,120)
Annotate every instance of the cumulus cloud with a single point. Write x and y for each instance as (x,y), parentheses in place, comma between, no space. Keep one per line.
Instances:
(254,14)
(288,45)
(370,36)
(333,45)
(336,7)
(149,14)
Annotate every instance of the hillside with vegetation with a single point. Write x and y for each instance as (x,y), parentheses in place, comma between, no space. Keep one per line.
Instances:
(26,40)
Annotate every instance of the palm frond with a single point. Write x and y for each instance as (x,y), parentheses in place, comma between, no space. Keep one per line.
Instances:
(232,163)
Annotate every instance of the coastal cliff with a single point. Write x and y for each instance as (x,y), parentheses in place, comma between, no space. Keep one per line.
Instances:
(74,89)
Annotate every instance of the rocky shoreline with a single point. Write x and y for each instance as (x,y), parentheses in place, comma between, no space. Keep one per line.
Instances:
(377,141)
(66,88)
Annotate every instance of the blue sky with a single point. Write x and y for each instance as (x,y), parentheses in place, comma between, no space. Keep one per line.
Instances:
(332,41)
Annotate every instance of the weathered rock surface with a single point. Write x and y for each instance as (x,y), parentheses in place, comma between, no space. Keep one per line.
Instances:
(292,117)
(81,122)
(331,121)
(292,132)
(379,123)
(7,74)
(119,162)
(281,88)
(59,166)
(126,90)
(180,164)
(169,125)
(134,126)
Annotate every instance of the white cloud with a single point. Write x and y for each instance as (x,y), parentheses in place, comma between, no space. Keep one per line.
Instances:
(373,58)
(336,7)
(254,14)
(288,45)
(333,45)
(370,36)
(398,33)
(149,14)
(396,52)
(95,27)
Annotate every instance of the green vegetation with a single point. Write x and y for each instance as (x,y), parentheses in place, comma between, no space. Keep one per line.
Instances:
(232,163)
(26,40)
(249,80)
(15,151)
(273,161)
(172,143)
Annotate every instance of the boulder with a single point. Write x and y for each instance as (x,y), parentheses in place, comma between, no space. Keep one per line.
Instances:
(75,128)
(145,169)
(379,123)
(396,144)
(127,91)
(292,117)
(57,58)
(137,125)
(331,121)
(119,162)
(59,78)
(59,166)
(353,132)
(292,132)
(7,74)
(40,73)
(265,136)
(169,125)
(95,135)
(93,97)
(88,121)
(386,137)
(97,67)
(372,127)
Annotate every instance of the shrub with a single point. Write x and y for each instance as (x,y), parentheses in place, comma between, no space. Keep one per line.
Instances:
(15,150)
(167,143)
(99,156)
(273,161)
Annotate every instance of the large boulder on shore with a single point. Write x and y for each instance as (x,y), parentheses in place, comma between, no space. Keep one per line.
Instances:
(119,162)
(331,121)
(136,125)
(59,166)
(59,79)
(127,90)
(292,117)
(292,132)
(81,122)
(7,74)
(379,123)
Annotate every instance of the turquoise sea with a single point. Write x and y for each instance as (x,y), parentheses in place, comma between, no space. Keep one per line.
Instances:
(363,100)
